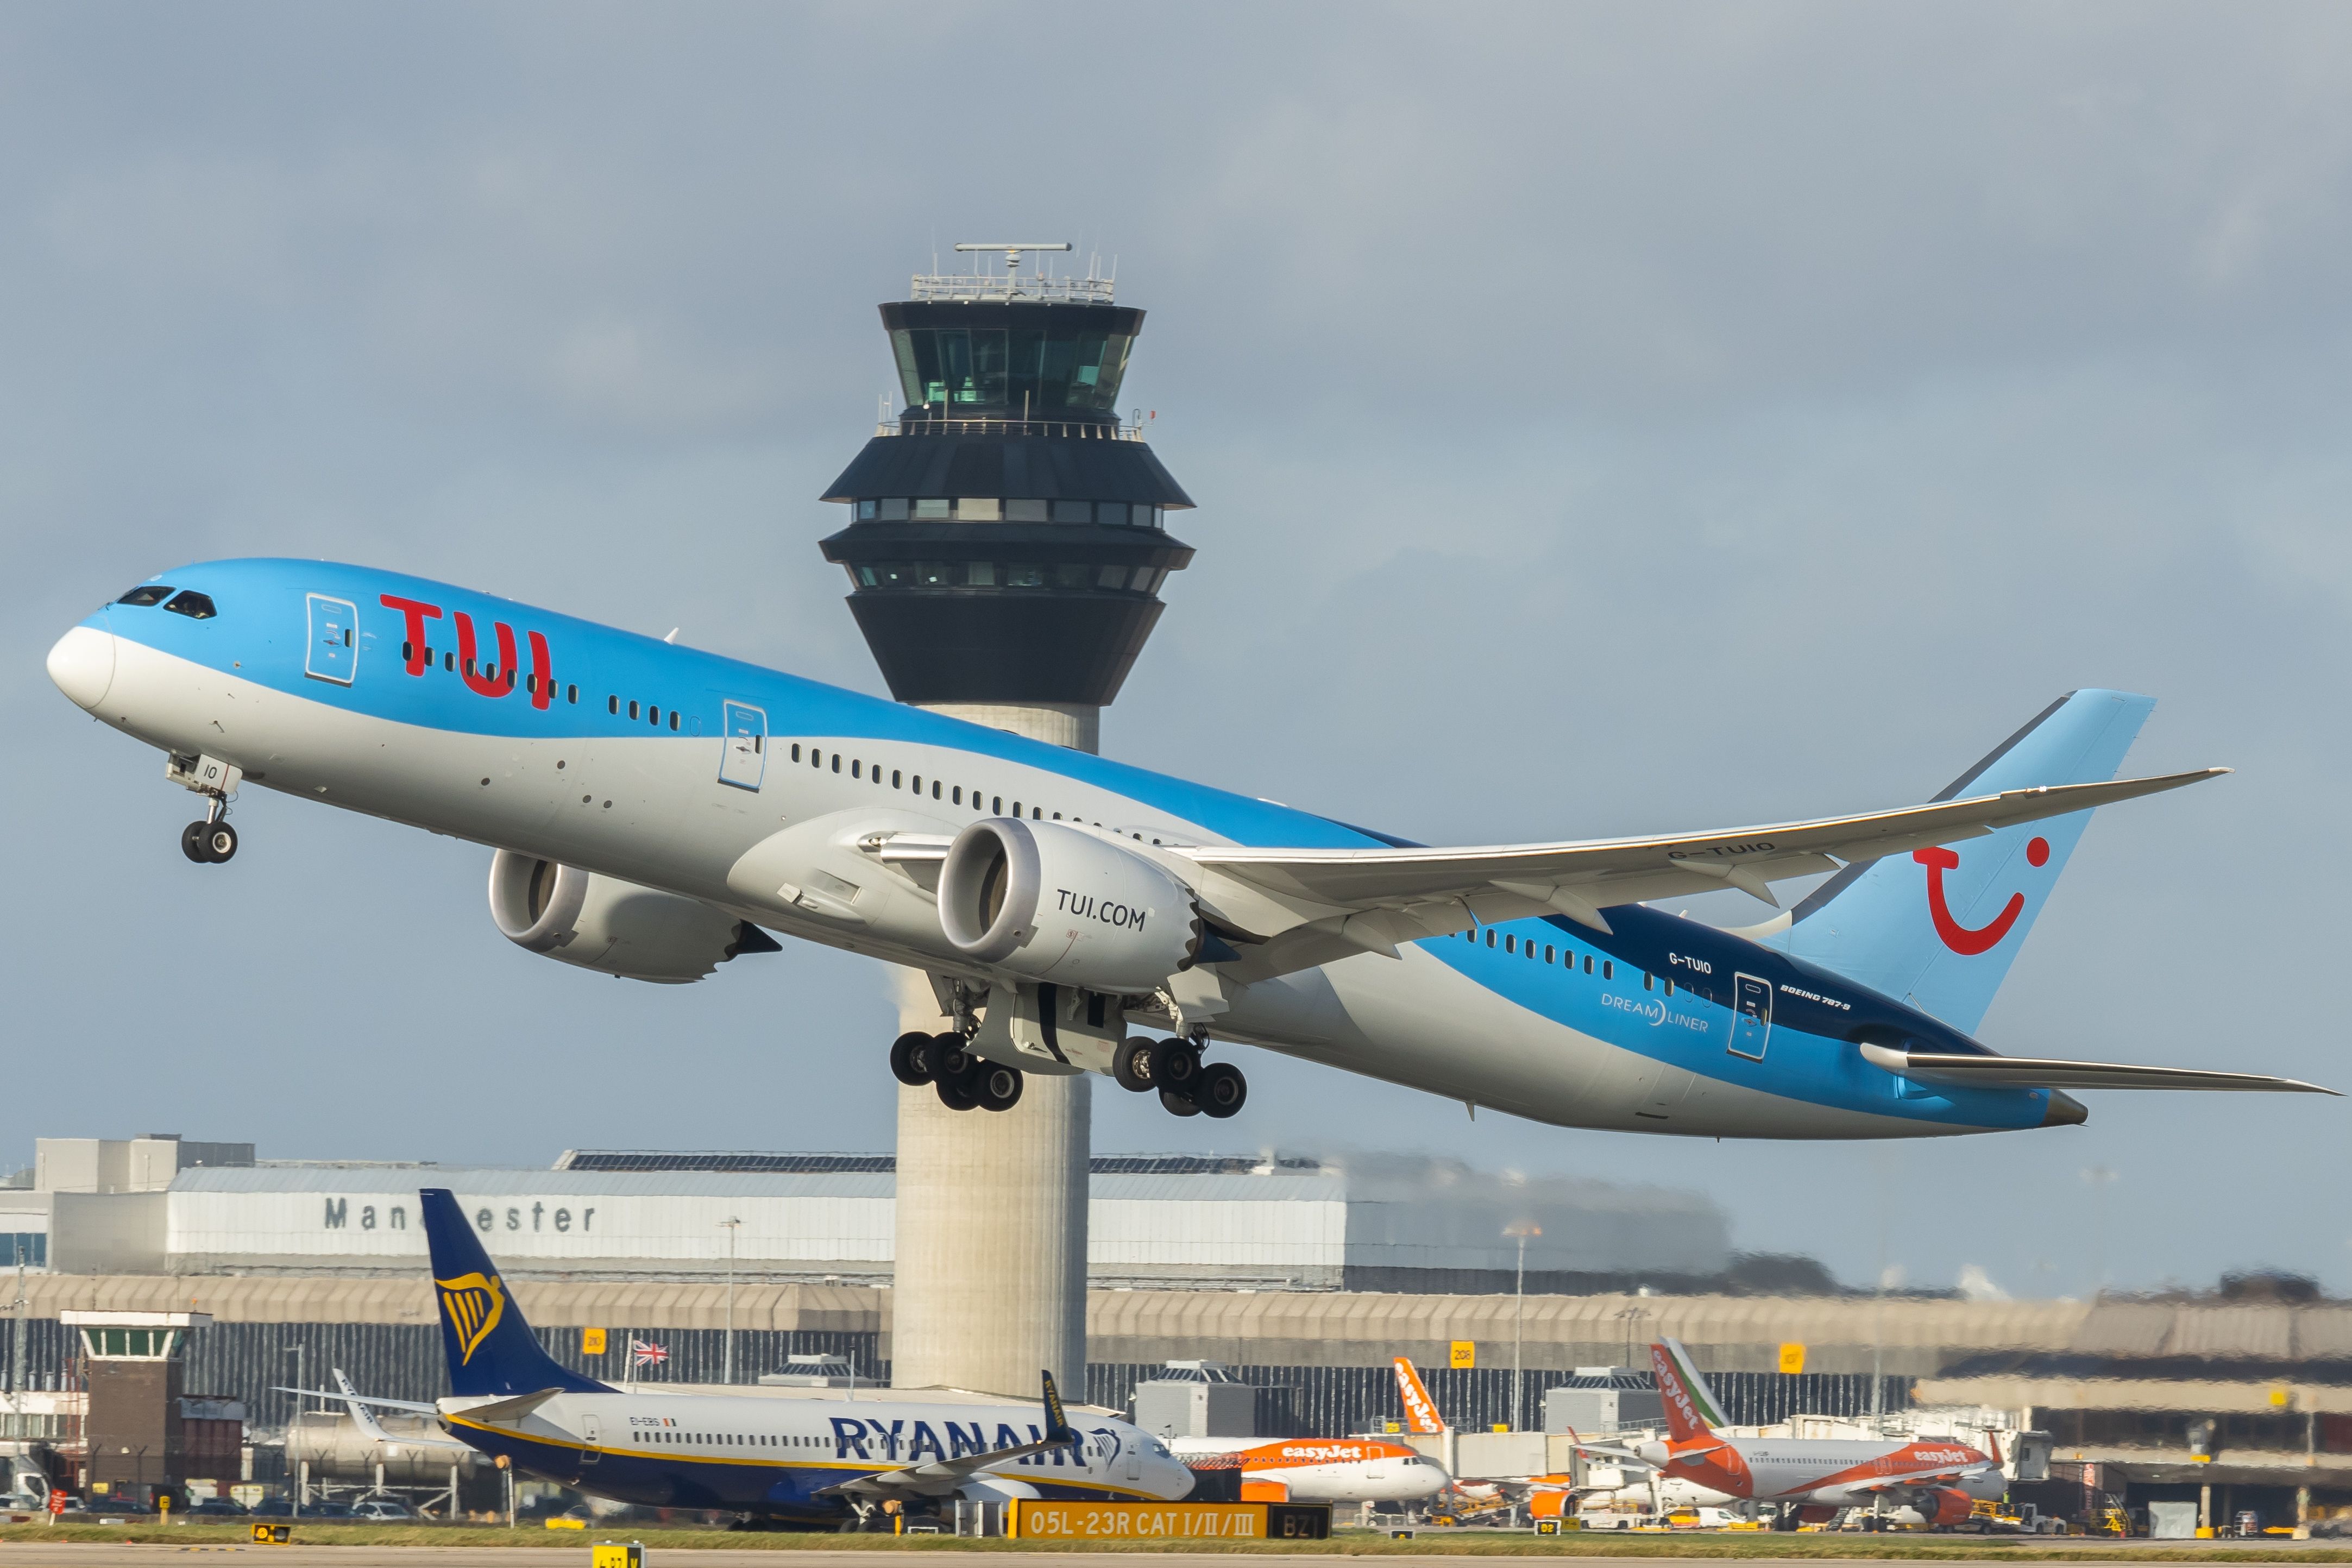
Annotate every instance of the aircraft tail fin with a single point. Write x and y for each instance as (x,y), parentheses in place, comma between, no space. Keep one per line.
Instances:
(1057,1422)
(1691,1407)
(491,1348)
(1939,928)
(1420,1415)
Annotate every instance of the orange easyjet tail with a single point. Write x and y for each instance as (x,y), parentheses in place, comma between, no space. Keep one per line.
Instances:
(1691,1407)
(1420,1410)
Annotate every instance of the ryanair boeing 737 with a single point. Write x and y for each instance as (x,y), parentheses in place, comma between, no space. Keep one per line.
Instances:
(654,812)
(792,1459)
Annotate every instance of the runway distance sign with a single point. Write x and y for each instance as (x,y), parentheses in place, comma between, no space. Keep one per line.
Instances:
(1035,1520)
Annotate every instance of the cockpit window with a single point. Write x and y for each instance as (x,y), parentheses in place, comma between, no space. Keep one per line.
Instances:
(193,605)
(146,593)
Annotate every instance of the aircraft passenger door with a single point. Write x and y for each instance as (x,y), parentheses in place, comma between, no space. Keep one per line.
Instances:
(1751,1016)
(744,761)
(332,652)
(1135,1459)
(591,1428)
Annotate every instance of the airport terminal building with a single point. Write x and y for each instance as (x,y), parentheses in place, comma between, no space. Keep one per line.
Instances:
(1303,1276)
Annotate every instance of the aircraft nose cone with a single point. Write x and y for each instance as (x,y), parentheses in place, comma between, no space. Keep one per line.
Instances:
(82,665)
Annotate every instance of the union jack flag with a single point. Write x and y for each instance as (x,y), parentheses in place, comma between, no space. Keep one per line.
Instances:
(644,1353)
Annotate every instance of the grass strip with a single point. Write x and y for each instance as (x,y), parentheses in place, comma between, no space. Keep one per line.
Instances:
(1349,1543)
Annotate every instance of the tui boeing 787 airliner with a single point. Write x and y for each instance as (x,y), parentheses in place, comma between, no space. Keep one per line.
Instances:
(654,812)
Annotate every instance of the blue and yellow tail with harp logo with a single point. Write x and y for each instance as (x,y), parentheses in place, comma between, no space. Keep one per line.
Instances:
(491,1348)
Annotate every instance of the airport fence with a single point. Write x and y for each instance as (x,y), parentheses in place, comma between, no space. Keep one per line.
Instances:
(250,1361)
(1330,1401)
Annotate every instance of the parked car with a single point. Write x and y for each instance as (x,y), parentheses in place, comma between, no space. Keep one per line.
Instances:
(381,1509)
(216,1508)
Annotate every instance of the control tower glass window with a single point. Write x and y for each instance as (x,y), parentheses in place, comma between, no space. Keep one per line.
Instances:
(992,368)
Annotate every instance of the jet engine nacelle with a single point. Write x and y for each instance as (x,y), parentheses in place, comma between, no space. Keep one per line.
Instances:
(1050,902)
(1942,1505)
(612,926)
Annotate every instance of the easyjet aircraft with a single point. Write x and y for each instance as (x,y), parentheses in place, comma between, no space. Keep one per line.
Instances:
(653,811)
(1937,1477)
(1318,1469)
(1547,1495)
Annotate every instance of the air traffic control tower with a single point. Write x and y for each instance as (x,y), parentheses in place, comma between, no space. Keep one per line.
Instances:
(1007,543)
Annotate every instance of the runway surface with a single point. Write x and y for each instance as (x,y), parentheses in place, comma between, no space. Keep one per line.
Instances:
(136,1554)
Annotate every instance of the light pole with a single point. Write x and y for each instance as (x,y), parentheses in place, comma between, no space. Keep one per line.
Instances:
(1520,1315)
(2100,1179)
(730,1224)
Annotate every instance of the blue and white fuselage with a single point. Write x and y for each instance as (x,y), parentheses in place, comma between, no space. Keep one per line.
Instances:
(764,800)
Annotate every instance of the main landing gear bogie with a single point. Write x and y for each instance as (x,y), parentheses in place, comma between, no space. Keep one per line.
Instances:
(1187,1086)
(962,1080)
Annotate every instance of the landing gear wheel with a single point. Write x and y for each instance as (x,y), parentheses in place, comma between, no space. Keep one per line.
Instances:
(950,1057)
(1175,1064)
(1176,1104)
(1220,1090)
(1131,1064)
(208,842)
(911,1056)
(961,1091)
(998,1086)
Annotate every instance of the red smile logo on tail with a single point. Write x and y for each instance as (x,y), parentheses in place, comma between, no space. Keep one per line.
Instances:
(1954,936)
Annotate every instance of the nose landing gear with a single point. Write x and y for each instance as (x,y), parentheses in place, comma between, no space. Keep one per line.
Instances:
(210,841)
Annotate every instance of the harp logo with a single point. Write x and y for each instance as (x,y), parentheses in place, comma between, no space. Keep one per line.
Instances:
(473,1303)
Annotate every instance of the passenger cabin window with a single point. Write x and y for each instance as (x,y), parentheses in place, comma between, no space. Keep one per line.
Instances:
(1608,969)
(1490,936)
(673,718)
(572,693)
(796,751)
(1548,952)
(146,595)
(199,607)
(1588,963)
(633,707)
(1510,944)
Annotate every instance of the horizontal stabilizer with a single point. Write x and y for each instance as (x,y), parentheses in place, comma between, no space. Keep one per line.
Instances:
(500,1412)
(420,1408)
(2044,1073)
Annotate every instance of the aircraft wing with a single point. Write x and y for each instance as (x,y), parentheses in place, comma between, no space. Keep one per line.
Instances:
(2043,1072)
(421,1409)
(1375,898)
(938,1477)
(941,1477)
(1918,1477)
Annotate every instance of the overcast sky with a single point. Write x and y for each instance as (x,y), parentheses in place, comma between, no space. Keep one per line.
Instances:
(1603,418)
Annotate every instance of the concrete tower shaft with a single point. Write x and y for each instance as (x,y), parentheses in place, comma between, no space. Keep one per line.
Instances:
(1006,545)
